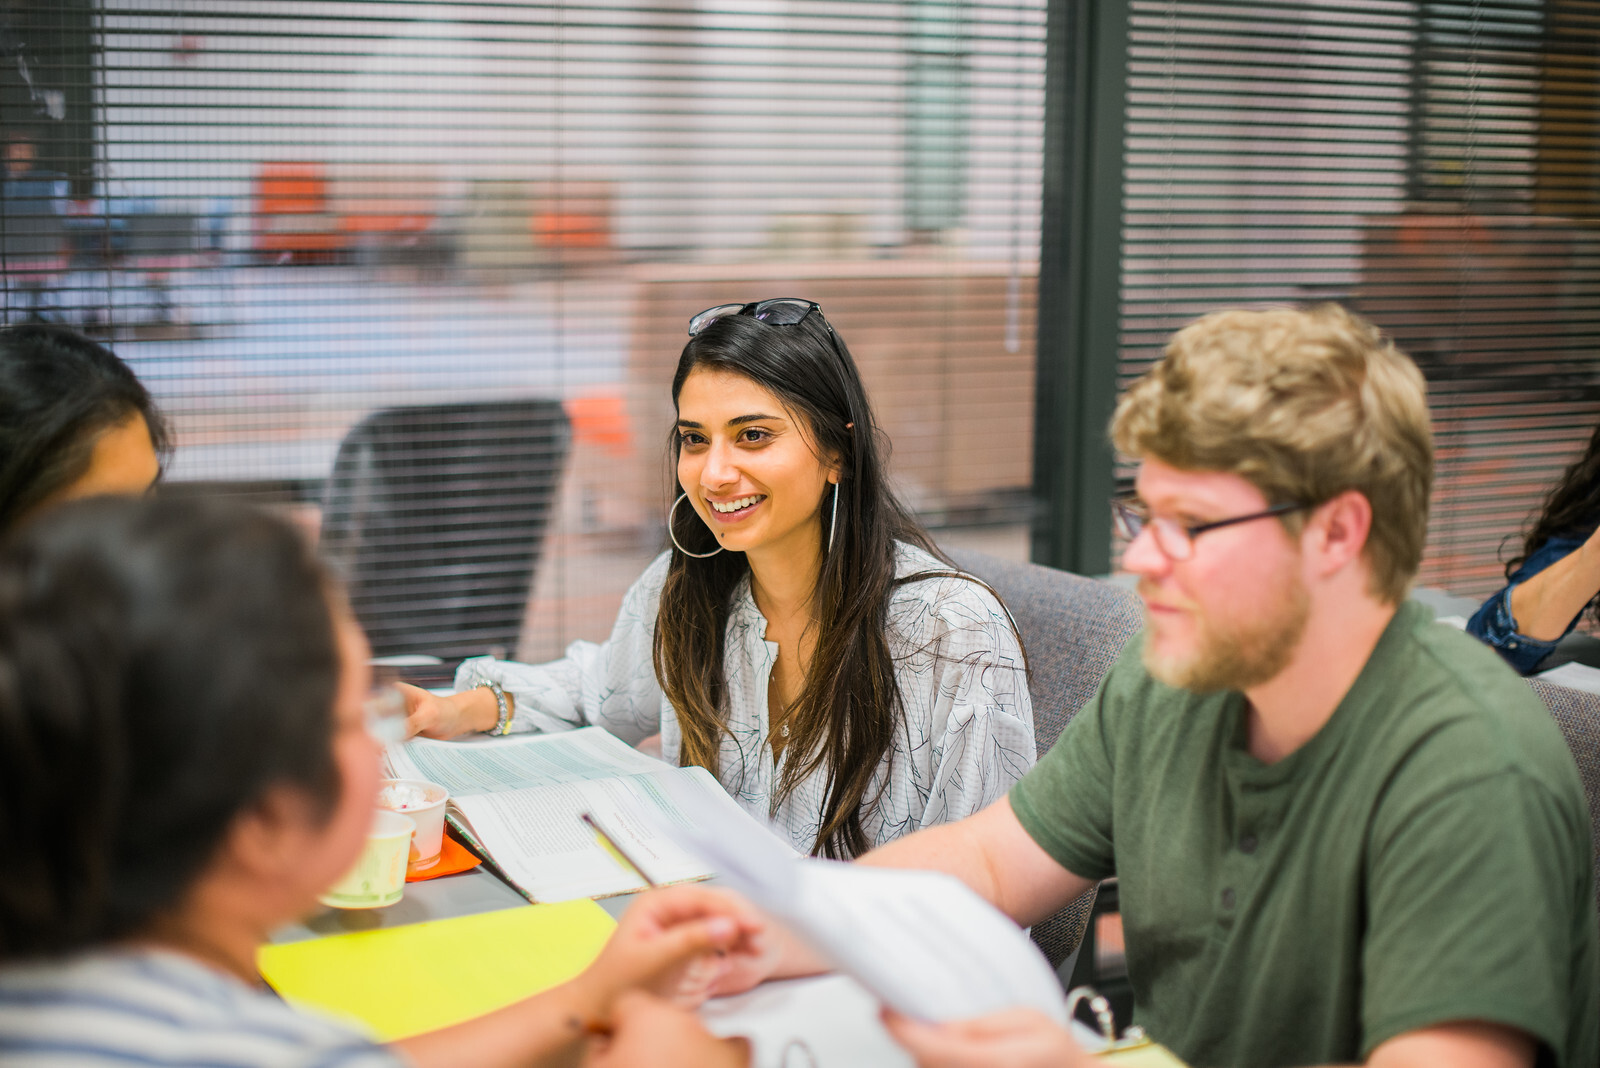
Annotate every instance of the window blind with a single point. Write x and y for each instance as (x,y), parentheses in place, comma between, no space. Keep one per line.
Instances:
(291,217)
(1430,165)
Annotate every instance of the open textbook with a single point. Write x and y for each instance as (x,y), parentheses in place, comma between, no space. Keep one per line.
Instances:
(519,800)
(923,942)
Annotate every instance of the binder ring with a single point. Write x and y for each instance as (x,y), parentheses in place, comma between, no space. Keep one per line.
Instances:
(1097,1005)
(671,513)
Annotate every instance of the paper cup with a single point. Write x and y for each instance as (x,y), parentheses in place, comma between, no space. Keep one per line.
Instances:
(379,877)
(424,802)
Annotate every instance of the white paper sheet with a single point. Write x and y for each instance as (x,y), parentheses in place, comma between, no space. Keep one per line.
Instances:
(827,1021)
(493,764)
(923,942)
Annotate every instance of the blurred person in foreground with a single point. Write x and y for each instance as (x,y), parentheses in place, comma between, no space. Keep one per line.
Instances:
(1341,832)
(1555,580)
(74,422)
(185,765)
(803,640)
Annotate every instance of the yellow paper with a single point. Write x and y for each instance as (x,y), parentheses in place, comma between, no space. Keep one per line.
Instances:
(1144,1055)
(402,981)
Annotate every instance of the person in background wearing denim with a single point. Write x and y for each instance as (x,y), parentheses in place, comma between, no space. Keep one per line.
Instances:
(1556,577)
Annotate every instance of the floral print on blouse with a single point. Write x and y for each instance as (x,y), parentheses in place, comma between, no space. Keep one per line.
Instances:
(967,730)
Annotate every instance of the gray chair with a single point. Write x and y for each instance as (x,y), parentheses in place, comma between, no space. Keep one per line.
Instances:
(435,517)
(1578,715)
(1073,629)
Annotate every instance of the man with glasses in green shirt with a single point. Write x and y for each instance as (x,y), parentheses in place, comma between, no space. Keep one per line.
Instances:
(1341,831)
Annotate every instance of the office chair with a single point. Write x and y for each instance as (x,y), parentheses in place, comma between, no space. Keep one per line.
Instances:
(435,517)
(1073,629)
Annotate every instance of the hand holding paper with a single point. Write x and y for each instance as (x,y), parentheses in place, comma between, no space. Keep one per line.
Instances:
(922,942)
(672,942)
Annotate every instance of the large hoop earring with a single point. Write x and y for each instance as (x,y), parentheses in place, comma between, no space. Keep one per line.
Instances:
(833,518)
(671,534)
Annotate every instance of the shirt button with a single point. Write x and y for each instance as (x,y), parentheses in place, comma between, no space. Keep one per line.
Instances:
(1227,898)
(1511,645)
(1247,844)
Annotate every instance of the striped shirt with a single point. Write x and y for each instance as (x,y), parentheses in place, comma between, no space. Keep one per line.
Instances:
(156,1007)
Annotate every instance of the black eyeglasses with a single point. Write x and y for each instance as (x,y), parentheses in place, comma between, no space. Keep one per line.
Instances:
(779,311)
(1175,539)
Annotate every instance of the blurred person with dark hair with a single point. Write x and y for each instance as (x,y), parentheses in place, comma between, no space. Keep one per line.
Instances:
(74,422)
(1555,580)
(185,765)
(803,640)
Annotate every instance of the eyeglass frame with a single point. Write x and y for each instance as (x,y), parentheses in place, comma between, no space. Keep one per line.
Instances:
(1129,524)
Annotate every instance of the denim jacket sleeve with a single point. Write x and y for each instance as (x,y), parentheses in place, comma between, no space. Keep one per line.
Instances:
(1494,624)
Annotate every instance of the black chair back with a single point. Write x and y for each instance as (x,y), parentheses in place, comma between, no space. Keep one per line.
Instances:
(435,516)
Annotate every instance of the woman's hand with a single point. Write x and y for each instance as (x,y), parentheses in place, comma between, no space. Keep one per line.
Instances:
(433,716)
(1016,1038)
(647,1030)
(769,956)
(675,943)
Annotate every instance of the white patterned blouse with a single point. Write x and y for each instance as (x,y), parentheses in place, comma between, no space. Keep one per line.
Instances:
(967,733)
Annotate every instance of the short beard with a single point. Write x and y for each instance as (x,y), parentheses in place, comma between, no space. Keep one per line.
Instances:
(1241,656)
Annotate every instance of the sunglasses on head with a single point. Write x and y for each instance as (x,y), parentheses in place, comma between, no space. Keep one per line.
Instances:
(779,311)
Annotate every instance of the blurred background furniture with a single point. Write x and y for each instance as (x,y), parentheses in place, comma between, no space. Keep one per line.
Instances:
(34,256)
(436,516)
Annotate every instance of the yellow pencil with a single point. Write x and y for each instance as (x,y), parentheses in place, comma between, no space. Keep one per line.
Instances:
(616,850)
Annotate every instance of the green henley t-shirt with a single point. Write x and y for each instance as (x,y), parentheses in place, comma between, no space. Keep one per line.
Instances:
(1424,858)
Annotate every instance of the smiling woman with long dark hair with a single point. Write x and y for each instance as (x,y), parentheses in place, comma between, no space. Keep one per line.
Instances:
(803,639)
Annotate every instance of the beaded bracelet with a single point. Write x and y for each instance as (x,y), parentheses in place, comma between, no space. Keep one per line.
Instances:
(502,725)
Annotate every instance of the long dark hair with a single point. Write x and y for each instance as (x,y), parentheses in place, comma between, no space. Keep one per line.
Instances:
(162,664)
(1571,510)
(848,709)
(58,392)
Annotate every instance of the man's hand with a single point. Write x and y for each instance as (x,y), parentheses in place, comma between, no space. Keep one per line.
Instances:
(433,716)
(1016,1038)
(647,1030)
(676,943)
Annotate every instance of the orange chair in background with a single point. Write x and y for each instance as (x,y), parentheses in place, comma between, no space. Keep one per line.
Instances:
(292,213)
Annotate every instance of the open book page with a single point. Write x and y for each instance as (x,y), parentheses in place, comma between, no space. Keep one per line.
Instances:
(539,843)
(492,764)
(923,942)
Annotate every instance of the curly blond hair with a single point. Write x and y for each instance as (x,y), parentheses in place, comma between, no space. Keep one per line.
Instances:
(1304,405)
